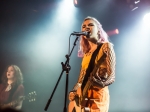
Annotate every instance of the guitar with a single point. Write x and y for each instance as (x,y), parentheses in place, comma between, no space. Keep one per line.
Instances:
(80,101)
(74,104)
(31,97)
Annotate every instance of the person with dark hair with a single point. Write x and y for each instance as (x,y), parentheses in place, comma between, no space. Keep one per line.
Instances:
(12,89)
(91,93)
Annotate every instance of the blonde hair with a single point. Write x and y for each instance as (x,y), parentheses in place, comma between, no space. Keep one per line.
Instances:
(84,44)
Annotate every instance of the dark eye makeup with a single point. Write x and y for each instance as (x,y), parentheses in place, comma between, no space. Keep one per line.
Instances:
(90,24)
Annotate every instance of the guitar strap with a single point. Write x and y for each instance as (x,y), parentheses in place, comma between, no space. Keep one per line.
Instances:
(90,66)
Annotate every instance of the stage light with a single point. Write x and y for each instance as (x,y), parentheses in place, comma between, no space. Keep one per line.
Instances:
(113,32)
(146,18)
(117,31)
(137,1)
(133,5)
(75,2)
(134,8)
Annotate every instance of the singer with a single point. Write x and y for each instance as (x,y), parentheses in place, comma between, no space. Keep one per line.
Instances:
(91,93)
(11,88)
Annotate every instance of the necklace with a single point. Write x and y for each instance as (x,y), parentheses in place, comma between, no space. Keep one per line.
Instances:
(8,87)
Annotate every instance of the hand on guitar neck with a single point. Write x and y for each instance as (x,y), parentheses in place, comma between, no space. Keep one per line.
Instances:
(72,95)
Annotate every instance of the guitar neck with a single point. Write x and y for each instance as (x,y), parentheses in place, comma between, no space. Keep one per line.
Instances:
(85,89)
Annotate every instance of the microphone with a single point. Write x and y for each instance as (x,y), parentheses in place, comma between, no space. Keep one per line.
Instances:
(87,34)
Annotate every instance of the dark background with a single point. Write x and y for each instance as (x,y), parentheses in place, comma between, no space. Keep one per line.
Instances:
(34,35)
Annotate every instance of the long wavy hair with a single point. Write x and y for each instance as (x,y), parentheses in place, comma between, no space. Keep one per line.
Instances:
(18,77)
(84,44)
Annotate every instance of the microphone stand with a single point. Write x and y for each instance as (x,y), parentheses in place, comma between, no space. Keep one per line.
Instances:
(65,67)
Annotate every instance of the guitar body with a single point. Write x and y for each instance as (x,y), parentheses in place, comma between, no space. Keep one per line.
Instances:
(30,97)
(73,104)
(82,97)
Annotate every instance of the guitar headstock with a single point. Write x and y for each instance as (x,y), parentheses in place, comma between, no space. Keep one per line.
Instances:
(31,96)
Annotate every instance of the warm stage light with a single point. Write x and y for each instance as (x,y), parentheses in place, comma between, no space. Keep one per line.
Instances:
(117,31)
(76,2)
(113,32)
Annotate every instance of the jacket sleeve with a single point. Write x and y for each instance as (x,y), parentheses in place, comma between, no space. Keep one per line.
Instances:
(106,75)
